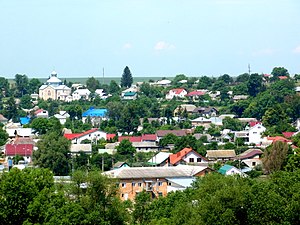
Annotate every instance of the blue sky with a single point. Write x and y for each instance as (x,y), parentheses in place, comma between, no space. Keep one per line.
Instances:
(78,38)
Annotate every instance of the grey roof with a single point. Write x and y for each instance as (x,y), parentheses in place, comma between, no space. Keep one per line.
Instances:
(178,133)
(145,144)
(155,172)
(220,154)
(159,158)
(118,164)
(87,148)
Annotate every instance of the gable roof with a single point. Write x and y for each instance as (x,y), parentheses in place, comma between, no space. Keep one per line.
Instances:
(149,137)
(130,94)
(288,134)
(178,91)
(282,77)
(178,133)
(175,158)
(119,164)
(130,138)
(278,138)
(249,154)
(253,123)
(195,93)
(78,135)
(159,158)
(2,118)
(155,172)
(225,168)
(18,149)
(220,154)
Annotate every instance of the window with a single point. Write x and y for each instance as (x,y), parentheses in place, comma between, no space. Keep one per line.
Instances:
(49,93)
(253,163)
(160,194)
(191,160)
(122,195)
(198,159)
(254,132)
(123,185)
(169,183)
(133,184)
(140,184)
(159,183)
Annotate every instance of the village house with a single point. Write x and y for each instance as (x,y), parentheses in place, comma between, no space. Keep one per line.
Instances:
(23,150)
(187,156)
(178,133)
(194,95)
(206,111)
(129,96)
(220,155)
(75,149)
(81,94)
(185,107)
(95,115)
(41,113)
(229,170)
(177,93)
(92,135)
(251,157)
(160,159)
(158,181)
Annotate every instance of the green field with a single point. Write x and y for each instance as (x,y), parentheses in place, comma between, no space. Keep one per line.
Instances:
(105,80)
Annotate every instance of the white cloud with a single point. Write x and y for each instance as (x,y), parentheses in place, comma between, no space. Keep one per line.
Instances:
(265,51)
(127,46)
(297,50)
(162,45)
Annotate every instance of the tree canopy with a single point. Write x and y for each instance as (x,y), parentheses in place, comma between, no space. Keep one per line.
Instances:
(126,79)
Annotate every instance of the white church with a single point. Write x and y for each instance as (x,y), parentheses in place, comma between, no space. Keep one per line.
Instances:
(54,89)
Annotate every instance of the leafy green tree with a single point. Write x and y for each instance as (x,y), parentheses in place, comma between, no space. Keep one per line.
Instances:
(21,85)
(168,139)
(114,88)
(243,78)
(232,124)
(255,84)
(125,148)
(293,163)
(274,157)
(26,102)
(226,78)
(3,136)
(279,71)
(199,130)
(204,82)
(4,87)
(11,109)
(75,111)
(17,191)
(40,125)
(81,161)
(126,80)
(142,201)
(92,84)
(53,153)
(34,85)
(214,130)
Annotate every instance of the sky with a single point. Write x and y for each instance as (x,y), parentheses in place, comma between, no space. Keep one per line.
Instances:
(78,38)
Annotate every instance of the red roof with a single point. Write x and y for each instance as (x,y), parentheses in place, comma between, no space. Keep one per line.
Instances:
(253,123)
(278,138)
(149,137)
(267,75)
(18,149)
(130,138)
(195,93)
(288,134)
(282,77)
(38,111)
(110,136)
(73,136)
(175,158)
(178,90)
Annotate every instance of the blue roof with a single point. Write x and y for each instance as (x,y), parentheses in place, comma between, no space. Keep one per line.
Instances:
(95,113)
(225,168)
(24,120)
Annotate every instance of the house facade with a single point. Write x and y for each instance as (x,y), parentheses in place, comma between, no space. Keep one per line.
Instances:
(187,156)
(92,135)
(81,94)
(177,93)
(154,180)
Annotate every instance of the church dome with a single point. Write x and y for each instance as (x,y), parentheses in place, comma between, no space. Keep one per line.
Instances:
(53,80)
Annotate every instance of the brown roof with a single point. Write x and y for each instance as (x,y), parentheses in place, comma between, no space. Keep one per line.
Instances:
(249,154)
(220,154)
(2,118)
(178,133)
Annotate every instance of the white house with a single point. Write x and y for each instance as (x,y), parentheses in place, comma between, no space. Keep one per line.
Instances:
(81,94)
(231,170)
(92,135)
(187,156)
(255,133)
(251,157)
(177,92)
(41,113)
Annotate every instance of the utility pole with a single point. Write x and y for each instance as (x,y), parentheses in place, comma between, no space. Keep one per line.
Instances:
(103,75)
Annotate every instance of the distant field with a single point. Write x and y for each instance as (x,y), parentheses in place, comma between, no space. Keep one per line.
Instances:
(105,80)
